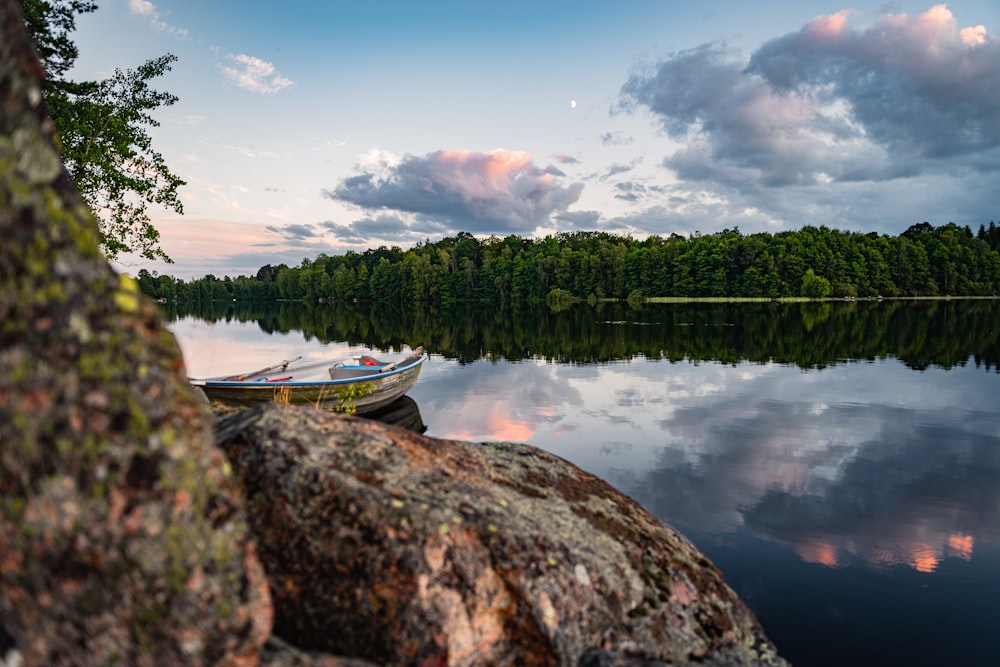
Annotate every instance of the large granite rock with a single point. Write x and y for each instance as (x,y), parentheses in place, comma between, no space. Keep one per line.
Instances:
(387,545)
(123,540)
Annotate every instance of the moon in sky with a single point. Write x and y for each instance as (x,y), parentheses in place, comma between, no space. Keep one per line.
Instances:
(572,104)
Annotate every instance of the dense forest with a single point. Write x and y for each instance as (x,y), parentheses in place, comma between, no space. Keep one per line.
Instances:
(814,262)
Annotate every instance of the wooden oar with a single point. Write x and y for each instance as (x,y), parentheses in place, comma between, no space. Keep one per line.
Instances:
(282,366)
(416,353)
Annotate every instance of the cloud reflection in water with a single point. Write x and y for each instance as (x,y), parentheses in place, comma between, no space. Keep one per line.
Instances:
(867,460)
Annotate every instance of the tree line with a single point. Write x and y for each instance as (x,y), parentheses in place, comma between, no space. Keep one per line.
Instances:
(814,262)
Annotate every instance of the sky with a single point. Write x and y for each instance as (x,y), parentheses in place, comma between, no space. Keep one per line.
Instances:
(320,126)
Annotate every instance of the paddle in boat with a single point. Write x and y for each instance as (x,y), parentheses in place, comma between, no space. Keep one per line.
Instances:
(360,384)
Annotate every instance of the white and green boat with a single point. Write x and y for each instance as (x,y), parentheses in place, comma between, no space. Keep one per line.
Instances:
(358,384)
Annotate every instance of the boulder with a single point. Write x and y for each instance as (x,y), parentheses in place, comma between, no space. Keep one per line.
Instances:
(123,538)
(382,544)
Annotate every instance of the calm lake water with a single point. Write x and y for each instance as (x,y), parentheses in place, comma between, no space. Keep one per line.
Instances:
(840,463)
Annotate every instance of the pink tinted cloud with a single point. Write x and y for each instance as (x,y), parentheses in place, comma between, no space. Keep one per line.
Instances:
(499,191)
(830,102)
(498,174)
(827,27)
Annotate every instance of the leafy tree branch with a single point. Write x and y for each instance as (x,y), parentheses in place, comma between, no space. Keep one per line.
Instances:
(103,129)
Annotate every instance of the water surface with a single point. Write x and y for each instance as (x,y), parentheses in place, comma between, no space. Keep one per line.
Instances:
(839,464)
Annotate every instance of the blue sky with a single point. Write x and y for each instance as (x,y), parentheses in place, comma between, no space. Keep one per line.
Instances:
(320,127)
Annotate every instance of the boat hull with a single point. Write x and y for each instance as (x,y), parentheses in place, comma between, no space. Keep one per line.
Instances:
(358,394)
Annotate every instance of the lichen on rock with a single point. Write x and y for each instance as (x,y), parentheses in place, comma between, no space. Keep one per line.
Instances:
(401,549)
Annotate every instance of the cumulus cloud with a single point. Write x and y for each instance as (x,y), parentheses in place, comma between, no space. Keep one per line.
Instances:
(829,103)
(255,75)
(148,10)
(736,127)
(911,82)
(499,191)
